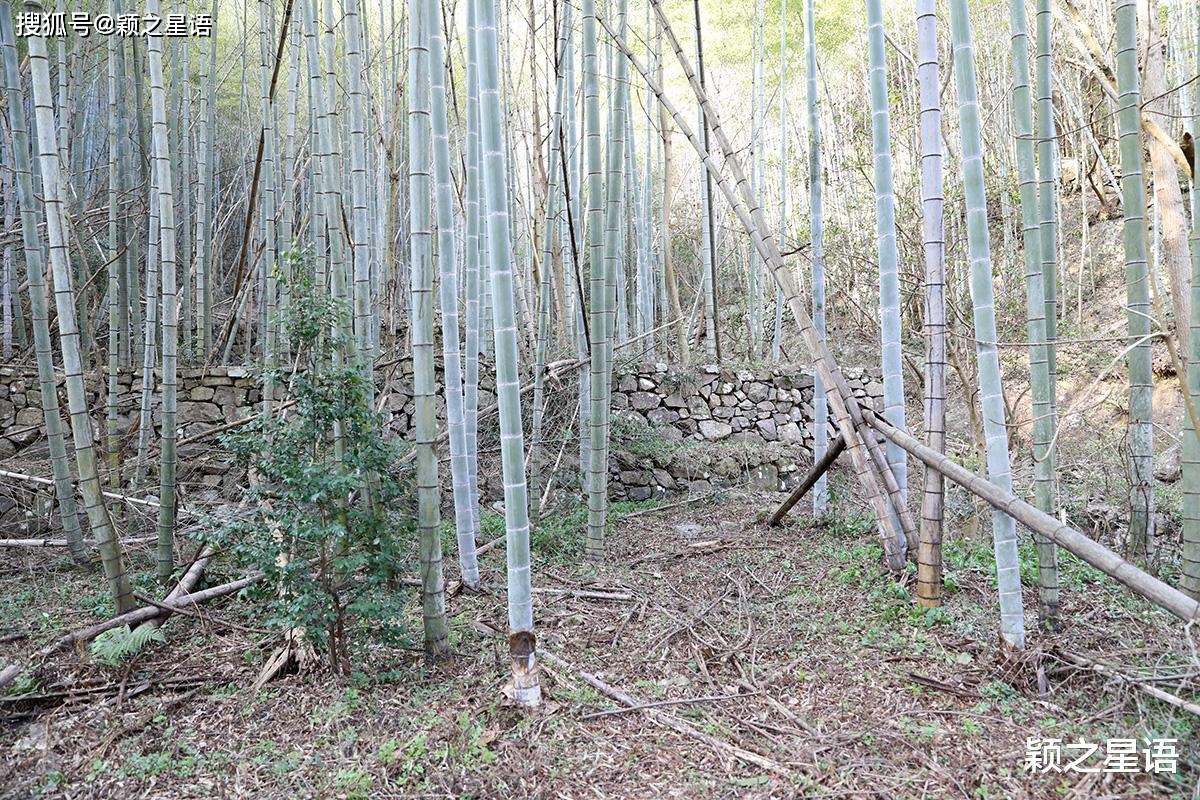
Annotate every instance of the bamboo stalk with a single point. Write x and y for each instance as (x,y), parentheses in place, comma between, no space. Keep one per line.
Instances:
(1097,555)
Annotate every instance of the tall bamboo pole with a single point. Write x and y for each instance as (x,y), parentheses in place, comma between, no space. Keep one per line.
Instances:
(1041,378)
(448,297)
(1137,285)
(816,202)
(68,327)
(170,311)
(991,397)
(522,642)
(433,598)
(929,551)
(885,235)
(35,270)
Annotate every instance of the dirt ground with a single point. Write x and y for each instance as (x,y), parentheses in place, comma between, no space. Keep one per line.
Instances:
(785,663)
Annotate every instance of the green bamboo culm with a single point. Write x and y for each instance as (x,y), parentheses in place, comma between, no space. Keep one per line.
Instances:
(522,642)
(1137,286)
(360,231)
(929,547)
(170,311)
(885,234)
(1191,439)
(448,298)
(115,333)
(1047,196)
(817,214)
(421,330)
(68,326)
(1041,379)
(1004,527)
(473,266)
(551,237)
(597,418)
(35,271)
(603,291)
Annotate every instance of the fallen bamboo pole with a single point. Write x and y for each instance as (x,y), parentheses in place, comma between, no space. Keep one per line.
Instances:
(820,468)
(1136,580)
(134,617)
(110,495)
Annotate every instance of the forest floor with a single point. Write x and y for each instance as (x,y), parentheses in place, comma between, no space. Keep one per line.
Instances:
(793,664)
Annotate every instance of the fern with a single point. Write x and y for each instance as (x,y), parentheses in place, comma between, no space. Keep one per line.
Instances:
(115,646)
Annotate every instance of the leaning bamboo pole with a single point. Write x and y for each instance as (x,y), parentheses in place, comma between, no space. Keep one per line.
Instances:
(1095,554)
(867,457)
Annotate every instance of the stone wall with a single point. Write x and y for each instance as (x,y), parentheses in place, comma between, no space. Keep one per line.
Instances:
(674,430)
(696,430)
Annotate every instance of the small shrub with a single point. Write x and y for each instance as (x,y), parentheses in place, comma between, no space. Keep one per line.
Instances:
(329,525)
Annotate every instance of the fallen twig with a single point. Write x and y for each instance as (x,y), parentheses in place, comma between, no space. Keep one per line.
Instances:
(1103,669)
(671,720)
(682,701)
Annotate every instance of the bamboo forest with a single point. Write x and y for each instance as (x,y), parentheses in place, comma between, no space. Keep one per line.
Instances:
(600,399)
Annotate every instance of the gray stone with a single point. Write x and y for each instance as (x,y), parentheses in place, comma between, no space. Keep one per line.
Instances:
(670,434)
(686,426)
(766,427)
(1168,466)
(29,417)
(638,493)
(713,430)
(699,487)
(791,434)
(757,392)
(698,407)
(646,384)
(737,424)
(661,416)
(673,400)
(628,383)
(764,478)
(635,477)
(644,401)
(620,402)
(663,478)
(200,412)
(722,413)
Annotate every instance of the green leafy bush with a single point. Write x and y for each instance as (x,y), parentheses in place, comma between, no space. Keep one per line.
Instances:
(330,524)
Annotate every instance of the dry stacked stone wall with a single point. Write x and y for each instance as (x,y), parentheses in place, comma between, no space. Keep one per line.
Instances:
(674,430)
(699,429)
